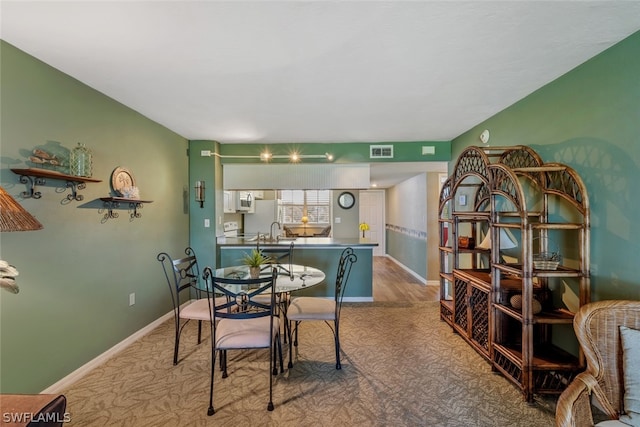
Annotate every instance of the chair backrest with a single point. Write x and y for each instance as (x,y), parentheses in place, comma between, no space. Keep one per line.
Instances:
(347,258)
(279,255)
(182,274)
(288,232)
(240,292)
(325,232)
(597,328)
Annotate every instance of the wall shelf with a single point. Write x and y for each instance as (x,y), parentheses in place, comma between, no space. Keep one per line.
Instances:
(113,203)
(33,177)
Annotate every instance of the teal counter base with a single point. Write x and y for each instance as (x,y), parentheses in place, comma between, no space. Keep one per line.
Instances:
(360,284)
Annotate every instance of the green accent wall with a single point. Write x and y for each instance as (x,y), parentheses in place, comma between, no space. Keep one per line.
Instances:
(203,239)
(77,273)
(589,119)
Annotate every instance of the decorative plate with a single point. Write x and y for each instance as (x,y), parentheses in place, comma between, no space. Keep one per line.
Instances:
(121,178)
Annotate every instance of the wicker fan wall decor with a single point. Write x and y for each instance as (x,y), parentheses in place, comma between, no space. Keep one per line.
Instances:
(13,217)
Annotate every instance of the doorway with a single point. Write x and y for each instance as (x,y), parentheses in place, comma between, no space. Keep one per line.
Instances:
(371,211)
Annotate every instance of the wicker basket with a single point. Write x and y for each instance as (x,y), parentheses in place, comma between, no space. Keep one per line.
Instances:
(547,260)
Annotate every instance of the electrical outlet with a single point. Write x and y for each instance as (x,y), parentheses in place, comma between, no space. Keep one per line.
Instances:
(207,223)
(132,299)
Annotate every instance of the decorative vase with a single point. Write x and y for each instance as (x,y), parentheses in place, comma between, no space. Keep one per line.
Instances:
(80,162)
(254,272)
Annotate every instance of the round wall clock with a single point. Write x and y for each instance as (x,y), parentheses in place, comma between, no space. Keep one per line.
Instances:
(346,200)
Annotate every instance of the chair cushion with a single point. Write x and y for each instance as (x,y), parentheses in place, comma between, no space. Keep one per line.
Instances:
(611,423)
(631,369)
(311,308)
(199,309)
(245,333)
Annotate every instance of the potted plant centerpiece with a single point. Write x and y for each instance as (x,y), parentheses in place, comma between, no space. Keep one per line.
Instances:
(254,260)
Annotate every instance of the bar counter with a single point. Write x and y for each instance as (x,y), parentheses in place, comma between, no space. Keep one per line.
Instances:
(319,252)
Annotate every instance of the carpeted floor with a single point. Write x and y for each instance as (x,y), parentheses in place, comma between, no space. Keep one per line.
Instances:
(401,366)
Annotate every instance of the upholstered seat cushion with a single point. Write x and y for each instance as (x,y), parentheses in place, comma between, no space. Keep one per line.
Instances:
(612,423)
(311,308)
(631,368)
(245,333)
(199,309)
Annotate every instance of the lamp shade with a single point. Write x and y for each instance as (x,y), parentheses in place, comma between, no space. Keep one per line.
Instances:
(13,217)
(506,241)
(304,220)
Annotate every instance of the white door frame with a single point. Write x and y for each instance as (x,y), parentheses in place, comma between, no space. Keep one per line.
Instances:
(374,215)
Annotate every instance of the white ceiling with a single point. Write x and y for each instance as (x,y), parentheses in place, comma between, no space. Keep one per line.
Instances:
(317,71)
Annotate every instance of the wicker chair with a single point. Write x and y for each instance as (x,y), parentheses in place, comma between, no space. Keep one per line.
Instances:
(597,328)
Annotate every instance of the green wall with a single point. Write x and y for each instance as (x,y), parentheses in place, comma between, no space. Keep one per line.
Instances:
(590,120)
(411,251)
(203,239)
(77,273)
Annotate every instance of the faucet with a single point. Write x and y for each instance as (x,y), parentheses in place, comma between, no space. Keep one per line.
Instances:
(271,229)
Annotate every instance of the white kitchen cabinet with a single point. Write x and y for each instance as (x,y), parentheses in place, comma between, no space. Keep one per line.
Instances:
(229,202)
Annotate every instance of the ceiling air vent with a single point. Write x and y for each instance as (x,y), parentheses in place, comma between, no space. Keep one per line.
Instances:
(381,152)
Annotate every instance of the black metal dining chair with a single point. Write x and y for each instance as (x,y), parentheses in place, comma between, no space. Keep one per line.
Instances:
(282,258)
(315,308)
(183,278)
(243,323)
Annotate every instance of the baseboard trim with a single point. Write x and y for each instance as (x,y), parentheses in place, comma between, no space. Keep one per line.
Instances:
(408,270)
(74,376)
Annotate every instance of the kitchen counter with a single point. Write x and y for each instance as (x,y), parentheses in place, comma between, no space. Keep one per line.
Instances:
(299,242)
(319,252)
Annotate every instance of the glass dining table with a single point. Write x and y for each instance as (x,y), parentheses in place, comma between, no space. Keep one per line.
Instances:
(291,277)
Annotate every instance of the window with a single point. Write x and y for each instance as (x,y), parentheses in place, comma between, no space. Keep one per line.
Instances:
(294,203)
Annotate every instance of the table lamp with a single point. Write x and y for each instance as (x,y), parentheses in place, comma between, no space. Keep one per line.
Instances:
(305,220)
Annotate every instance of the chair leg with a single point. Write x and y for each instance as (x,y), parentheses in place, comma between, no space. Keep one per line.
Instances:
(280,354)
(211,411)
(224,364)
(293,326)
(337,337)
(272,360)
(175,348)
(199,331)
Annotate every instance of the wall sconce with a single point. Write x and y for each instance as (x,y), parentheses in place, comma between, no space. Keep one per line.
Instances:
(200,192)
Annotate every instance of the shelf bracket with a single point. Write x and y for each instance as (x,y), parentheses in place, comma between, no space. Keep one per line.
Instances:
(74,187)
(112,205)
(31,182)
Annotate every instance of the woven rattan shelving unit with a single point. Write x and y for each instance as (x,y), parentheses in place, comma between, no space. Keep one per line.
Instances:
(543,208)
